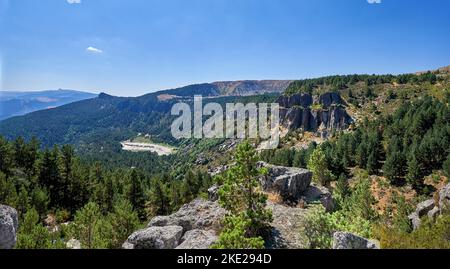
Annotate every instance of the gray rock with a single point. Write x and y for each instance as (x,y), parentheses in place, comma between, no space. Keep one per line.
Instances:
(289,182)
(444,198)
(415,220)
(329,99)
(8,227)
(198,239)
(316,193)
(213,193)
(199,214)
(287,224)
(333,118)
(424,207)
(344,240)
(301,100)
(167,237)
(434,213)
(73,244)
(296,113)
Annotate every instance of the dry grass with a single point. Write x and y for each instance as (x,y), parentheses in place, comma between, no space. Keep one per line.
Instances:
(274,198)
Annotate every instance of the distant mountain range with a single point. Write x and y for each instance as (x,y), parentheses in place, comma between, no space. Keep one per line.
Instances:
(14,103)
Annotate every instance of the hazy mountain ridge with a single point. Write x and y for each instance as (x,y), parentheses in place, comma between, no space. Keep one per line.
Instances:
(14,103)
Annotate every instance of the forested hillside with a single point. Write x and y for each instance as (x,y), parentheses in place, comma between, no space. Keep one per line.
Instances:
(369,177)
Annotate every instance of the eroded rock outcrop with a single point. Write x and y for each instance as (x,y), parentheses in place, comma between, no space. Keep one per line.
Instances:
(289,182)
(8,227)
(344,240)
(193,226)
(297,111)
(431,208)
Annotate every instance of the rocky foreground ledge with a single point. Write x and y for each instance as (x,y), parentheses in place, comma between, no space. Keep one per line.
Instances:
(197,224)
(194,226)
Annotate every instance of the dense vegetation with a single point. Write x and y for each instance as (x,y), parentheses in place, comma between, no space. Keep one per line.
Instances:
(341,82)
(102,206)
(404,147)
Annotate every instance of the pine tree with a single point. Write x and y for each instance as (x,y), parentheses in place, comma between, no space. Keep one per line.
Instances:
(124,221)
(190,186)
(242,196)
(32,155)
(86,220)
(319,167)
(6,156)
(446,167)
(49,176)
(372,163)
(342,190)
(401,221)
(414,176)
(23,201)
(32,234)
(394,167)
(136,194)
(361,156)
(40,200)
(8,193)
(159,202)
(361,201)
(20,154)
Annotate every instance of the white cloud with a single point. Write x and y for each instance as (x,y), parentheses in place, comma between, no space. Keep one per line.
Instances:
(94,50)
(374,1)
(74,1)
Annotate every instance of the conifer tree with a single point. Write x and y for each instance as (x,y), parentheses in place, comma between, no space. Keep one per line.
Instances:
(241,194)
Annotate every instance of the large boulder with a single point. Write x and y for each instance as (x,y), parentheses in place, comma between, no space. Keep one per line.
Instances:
(343,240)
(8,227)
(287,224)
(199,214)
(167,237)
(422,209)
(319,193)
(198,239)
(289,182)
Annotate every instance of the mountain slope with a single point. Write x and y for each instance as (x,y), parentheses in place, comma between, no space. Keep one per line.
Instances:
(104,121)
(20,103)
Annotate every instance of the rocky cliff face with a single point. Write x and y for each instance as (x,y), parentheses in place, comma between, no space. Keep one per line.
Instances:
(323,113)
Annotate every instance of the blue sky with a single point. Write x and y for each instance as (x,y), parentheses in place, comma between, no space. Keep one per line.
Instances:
(132,47)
